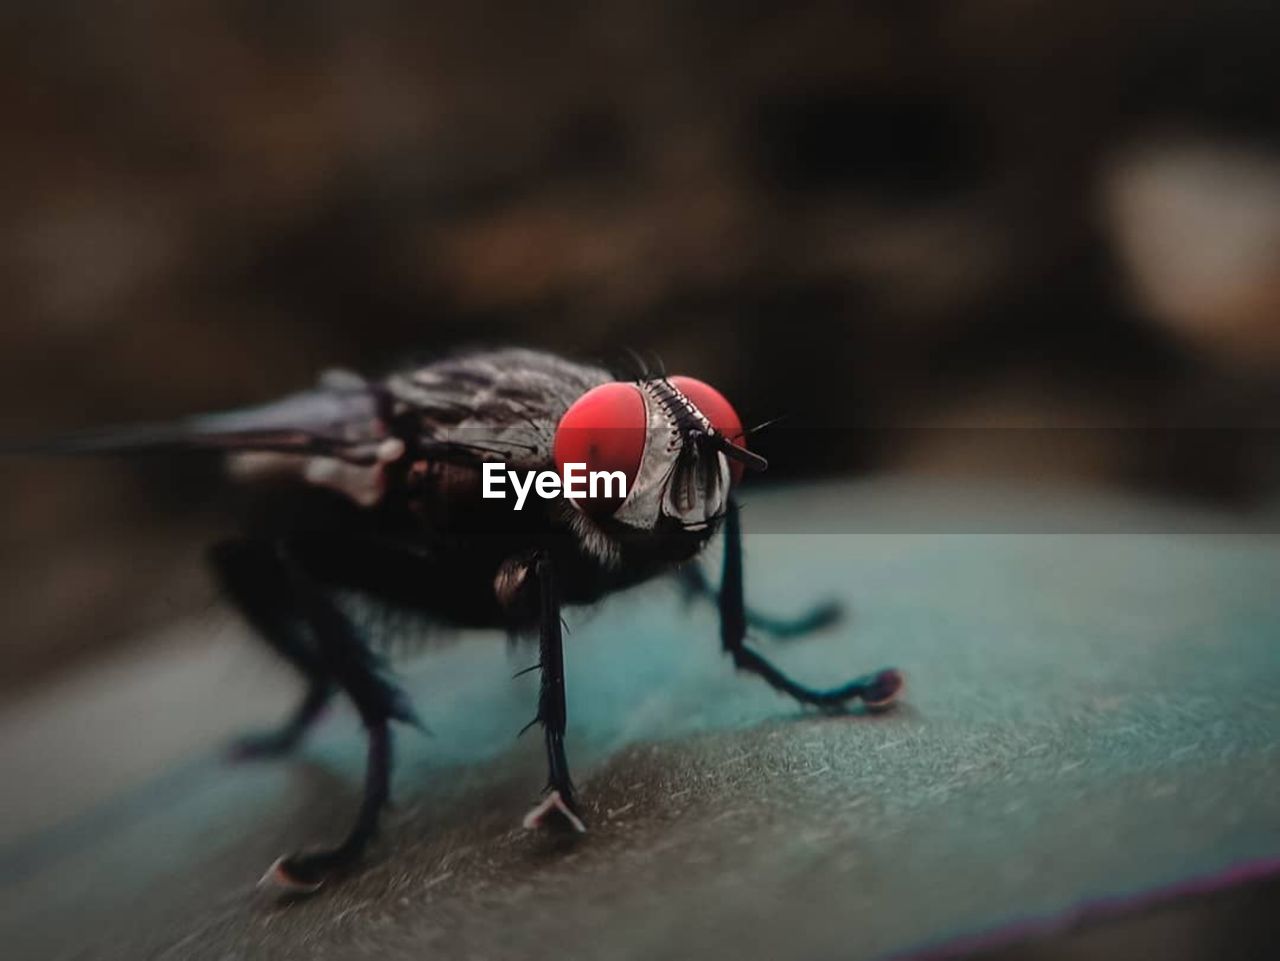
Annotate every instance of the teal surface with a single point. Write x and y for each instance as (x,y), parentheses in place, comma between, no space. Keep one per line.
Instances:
(1087,715)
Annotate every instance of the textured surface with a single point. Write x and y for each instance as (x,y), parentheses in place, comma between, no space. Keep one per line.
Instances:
(1087,715)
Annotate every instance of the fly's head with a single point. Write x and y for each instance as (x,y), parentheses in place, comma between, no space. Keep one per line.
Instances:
(679,444)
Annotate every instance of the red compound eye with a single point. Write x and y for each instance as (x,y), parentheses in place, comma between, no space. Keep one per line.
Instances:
(719,411)
(604,429)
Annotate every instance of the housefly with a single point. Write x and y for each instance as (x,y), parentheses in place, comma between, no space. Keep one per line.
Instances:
(372,487)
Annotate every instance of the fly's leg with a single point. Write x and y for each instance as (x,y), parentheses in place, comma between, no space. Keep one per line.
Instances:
(358,671)
(250,575)
(876,690)
(559,800)
(694,584)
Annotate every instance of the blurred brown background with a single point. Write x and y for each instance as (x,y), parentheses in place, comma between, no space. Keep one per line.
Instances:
(876,217)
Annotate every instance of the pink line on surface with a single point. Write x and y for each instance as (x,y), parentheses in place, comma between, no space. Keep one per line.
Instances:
(1106,908)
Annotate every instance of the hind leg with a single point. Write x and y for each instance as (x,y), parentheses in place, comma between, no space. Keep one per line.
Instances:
(356,669)
(251,577)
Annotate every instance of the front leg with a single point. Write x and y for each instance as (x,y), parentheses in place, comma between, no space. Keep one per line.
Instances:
(694,585)
(559,800)
(875,690)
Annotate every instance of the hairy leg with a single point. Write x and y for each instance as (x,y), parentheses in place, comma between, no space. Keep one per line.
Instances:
(559,799)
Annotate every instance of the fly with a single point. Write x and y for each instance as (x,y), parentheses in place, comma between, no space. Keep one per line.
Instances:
(375,487)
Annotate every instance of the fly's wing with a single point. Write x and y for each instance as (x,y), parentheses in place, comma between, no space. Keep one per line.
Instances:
(340,420)
(499,405)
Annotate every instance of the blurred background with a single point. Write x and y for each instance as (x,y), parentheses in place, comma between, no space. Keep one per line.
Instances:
(933,234)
